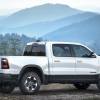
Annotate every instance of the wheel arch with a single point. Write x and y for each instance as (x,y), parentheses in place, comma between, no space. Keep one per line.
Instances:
(34,68)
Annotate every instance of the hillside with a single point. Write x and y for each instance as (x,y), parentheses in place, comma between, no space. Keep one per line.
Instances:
(42,28)
(2,17)
(46,12)
(87,31)
(54,22)
(88,28)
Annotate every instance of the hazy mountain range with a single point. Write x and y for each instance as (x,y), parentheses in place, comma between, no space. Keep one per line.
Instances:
(46,12)
(54,22)
(37,19)
(84,30)
(2,17)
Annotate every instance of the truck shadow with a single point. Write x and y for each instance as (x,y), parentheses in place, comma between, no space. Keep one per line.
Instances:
(54,94)
(58,89)
(61,92)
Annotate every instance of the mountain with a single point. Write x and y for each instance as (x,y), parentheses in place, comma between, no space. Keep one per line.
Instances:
(2,17)
(87,31)
(42,28)
(81,30)
(46,12)
(54,22)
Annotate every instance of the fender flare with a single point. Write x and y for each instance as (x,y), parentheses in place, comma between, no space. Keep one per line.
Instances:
(31,66)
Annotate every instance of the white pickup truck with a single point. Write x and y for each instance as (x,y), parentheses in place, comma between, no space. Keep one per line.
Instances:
(49,62)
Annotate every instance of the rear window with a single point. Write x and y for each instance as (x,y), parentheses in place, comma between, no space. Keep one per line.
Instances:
(35,50)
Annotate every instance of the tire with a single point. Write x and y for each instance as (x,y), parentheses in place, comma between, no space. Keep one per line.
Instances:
(6,88)
(30,83)
(98,85)
(81,86)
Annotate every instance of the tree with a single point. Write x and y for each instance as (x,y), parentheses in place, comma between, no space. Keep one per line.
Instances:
(14,44)
(3,48)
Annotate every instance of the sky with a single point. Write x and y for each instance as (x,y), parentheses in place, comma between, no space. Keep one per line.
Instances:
(10,6)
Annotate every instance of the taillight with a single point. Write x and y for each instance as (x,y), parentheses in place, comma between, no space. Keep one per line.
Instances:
(4,63)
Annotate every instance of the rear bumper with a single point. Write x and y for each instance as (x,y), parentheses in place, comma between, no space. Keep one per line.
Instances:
(8,78)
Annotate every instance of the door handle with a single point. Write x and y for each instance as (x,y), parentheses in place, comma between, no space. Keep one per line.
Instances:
(79,61)
(56,60)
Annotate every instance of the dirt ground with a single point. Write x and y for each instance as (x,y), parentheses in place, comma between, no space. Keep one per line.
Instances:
(56,92)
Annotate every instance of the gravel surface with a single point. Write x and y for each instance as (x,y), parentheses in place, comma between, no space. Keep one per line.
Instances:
(56,92)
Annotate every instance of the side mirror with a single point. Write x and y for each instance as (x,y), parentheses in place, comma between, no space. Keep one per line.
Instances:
(92,55)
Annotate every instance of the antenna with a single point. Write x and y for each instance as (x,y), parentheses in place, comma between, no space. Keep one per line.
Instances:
(38,40)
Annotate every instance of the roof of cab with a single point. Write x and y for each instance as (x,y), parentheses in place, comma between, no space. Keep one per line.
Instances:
(30,43)
(52,42)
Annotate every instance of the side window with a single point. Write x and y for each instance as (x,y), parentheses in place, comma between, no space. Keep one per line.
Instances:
(27,51)
(61,50)
(81,51)
(35,50)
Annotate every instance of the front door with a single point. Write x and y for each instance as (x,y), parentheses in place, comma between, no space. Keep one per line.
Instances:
(86,61)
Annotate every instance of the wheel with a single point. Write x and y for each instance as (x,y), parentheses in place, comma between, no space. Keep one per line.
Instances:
(6,88)
(82,86)
(30,83)
(98,85)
